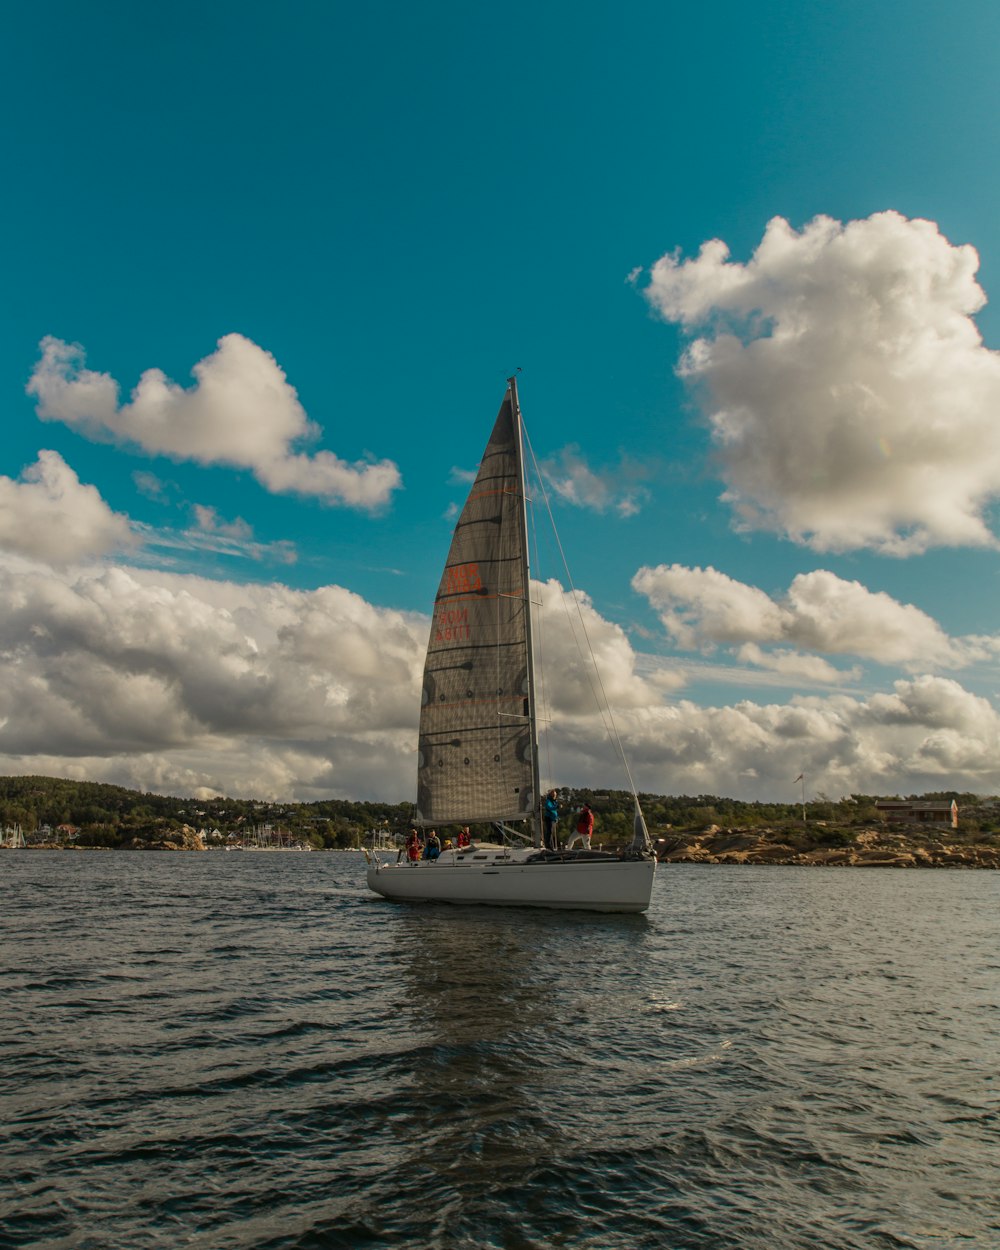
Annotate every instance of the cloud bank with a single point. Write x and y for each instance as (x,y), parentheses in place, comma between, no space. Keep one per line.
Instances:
(849,396)
(187,686)
(927,734)
(241,412)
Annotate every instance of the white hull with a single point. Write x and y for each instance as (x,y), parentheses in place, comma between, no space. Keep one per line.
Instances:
(509,880)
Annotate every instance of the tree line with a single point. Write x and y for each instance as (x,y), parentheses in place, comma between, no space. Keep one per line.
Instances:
(109,815)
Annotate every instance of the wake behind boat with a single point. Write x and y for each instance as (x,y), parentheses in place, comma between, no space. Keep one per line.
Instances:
(478,739)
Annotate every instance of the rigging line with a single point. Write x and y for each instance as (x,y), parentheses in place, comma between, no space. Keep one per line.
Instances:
(538,618)
(604,704)
(592,670)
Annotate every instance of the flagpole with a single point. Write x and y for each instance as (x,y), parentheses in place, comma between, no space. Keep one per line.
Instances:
(802,777)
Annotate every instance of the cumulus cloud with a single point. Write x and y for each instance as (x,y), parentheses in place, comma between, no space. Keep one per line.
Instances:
(850,398)
(585,660)
(614,488)
(241,411)
(820,612)
(49,514)
(119,663)
(699,607)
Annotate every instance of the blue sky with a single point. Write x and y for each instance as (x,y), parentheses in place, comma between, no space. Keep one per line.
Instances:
(775,476)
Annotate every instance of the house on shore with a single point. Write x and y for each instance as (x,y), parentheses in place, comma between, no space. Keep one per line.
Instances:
(918,812)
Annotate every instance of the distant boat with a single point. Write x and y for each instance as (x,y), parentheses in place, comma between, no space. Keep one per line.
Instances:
(478,738)
(12,838)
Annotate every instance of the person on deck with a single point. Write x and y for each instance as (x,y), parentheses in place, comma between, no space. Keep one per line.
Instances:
(433,848)
(584,829)
(550,818)
(464,838)
(413,847)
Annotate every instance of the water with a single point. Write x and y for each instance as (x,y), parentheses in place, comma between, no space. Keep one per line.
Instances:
(250,1051)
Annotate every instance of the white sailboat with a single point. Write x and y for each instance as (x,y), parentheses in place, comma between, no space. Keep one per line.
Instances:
(478,744)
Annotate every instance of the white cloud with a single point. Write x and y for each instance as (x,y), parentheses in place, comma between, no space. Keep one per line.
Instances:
(150,486)
(850,398)
(49,514)
(616,488)
(796,667)
(241,411)
(699,607)
(165,548)
(821,612)
(575,645)
(234,538)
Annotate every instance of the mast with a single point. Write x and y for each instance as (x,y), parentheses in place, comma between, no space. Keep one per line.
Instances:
(529,630)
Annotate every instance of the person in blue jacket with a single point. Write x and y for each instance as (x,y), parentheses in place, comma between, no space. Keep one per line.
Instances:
(550,817)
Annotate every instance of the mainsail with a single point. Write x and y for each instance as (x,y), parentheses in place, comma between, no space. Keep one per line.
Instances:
(477,731)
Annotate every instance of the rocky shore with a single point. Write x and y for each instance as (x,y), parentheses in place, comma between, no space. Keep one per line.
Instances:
(813,846)
(866,848)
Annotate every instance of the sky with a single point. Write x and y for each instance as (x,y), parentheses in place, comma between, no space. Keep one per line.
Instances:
(267,268)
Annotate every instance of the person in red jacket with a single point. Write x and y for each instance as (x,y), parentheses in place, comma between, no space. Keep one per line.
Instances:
(584,829)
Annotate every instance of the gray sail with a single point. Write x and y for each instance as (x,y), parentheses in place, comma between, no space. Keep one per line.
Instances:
(476,724)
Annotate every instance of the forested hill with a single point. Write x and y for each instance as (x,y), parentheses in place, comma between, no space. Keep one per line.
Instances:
(95,808)
(108,815)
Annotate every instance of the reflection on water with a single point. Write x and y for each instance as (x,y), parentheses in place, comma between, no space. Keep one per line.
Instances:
(478,987)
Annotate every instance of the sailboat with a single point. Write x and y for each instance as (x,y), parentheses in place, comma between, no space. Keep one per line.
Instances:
(478,759)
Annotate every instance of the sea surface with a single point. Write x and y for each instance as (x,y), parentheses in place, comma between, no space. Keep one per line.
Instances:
(249,1050)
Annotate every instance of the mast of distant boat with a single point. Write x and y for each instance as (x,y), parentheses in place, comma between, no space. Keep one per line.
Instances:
(526,591)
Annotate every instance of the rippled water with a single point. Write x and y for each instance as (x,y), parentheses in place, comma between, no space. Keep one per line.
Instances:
(251,1051)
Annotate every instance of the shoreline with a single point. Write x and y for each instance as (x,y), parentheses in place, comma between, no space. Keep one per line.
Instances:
(829,848)
(743,848)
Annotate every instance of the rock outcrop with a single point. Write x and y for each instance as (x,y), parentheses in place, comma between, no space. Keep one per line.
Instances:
(183,839)
(822,847)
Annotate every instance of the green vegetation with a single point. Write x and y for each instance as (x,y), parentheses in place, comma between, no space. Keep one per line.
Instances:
(95,814)
(110,816)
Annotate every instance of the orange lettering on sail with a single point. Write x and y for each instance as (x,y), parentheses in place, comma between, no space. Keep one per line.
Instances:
(463,579)
(452,625)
